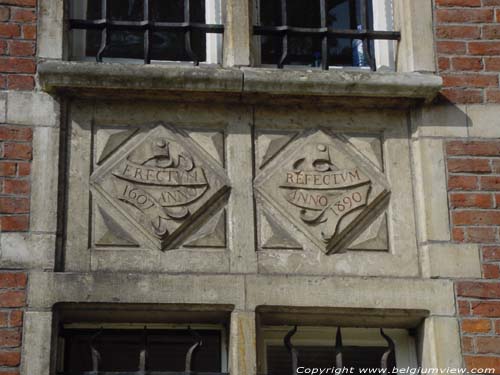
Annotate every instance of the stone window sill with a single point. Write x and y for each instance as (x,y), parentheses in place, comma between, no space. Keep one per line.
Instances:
(246,84)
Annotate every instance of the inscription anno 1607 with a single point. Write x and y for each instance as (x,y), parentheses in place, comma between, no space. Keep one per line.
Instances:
(158,186)
(324,194)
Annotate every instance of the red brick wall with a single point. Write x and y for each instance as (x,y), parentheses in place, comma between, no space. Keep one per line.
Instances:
(15,164)
(468,49)
(12,304)
(17,44)
(474,198)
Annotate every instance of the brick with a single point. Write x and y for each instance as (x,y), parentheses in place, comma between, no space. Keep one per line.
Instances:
(493,96)
(4,14)
(13,280)
(21,3)
(492,64)
(473,148)
(444,63)
(447,47)
(488,345)
(491,32)
(463,308)
(484,48)
(458,234)
(10,338)
(21,48)
(9,30)
(470,80)
(3,47)
(497,326)
(481,362)
(21,151)
(12,298)
(467,345)
(20,82)
(491,271)
(16,133)
(16,318)
(458,32)
(464,15)
(476,325)
(11,205)
(23,15)
(481,234)
(23,168)
(29,32)
(489,3)
(4,318)
(486,308)
(7,169)
(469,166)
(17,187)
(458,3)
(478,289)
(17,65)
(18,223)
(463,182)
(490,182)
(461,96)
(475,217)
(491,253)
(3,82)
(10,358)
(467,64)
(471,200)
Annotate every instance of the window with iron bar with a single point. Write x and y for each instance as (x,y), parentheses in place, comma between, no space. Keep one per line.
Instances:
(282,350)
(146,30)
(325,33)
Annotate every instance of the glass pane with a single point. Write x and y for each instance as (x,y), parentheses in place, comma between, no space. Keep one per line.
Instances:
(126,10)
(125,44)
(279,362)
(166,350)
(173,11)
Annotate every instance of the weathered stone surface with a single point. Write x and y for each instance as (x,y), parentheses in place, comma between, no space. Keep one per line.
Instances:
(27,250)
(272,235)
(32,108)
(212,234)
(375,237)
(110,140)
(160,184)
(452,260)
(37,346)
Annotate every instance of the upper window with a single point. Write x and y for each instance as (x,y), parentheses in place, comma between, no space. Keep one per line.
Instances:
(325,33)
(147,30)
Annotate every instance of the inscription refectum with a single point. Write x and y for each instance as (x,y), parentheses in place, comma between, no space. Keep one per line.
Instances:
(324,194)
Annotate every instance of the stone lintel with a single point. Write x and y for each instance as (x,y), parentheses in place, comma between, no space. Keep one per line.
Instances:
(248,84)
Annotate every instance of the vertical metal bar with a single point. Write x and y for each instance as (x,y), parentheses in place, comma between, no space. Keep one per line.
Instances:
(284,40)
(148,33)
(324,38)
(143,353)
(366,41)
(387,353)
(292,350)
(96,356)
(104,32)
(187,33)
(189,355)
(338,350)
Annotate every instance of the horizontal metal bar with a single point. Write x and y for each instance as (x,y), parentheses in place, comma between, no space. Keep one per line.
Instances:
(322,31)
(144,25)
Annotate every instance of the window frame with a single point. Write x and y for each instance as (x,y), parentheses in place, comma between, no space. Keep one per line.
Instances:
(384,51)
(405,344)
(214,15)
(224,344)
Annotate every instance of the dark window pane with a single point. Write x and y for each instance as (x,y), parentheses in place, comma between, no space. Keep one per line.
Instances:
(125,44)
(126,10)
(166,350)
(279,362)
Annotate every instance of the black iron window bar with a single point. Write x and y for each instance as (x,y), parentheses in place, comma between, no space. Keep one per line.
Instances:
(294,353)
(324,32)
(143,354)
(148,26)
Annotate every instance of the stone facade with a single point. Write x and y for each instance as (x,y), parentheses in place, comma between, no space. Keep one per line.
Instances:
(337,198)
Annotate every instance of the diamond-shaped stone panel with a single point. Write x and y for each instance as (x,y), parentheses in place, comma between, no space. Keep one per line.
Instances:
(160,184)
(323,187)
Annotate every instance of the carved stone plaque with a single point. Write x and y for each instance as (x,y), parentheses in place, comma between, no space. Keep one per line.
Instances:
(160,184)
(324,188)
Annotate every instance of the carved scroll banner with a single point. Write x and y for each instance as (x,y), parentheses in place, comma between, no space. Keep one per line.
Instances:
(322,188)
(160,185)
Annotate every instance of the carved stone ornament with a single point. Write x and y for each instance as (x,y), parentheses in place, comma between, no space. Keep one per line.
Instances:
(160,184)
(325,188)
